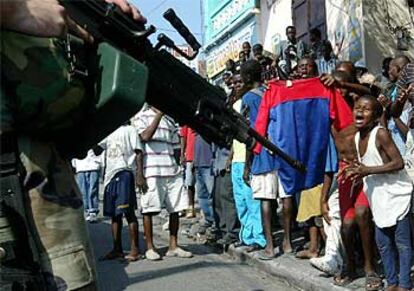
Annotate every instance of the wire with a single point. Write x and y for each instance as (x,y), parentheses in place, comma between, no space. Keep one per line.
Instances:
(172,30)
(155,8)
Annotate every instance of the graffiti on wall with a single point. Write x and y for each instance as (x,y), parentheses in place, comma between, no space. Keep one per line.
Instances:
(347,29)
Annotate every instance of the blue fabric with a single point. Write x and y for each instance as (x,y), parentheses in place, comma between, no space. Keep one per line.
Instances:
(396,135)
(248,209)
(120,196)
(203,153)
(296,125)
(88,183)
(394,245)
(263,162)
(204,189)
(331,165)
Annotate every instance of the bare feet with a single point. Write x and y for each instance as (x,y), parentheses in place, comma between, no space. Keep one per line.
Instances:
(133,256)
(287,247)
(306,255)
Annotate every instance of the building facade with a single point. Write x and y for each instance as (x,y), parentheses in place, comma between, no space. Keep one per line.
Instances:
(363,31)
(228,23)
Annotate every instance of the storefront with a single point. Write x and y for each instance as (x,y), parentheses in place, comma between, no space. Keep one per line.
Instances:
(228,25)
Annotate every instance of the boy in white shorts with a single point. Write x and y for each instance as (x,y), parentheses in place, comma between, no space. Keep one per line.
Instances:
(164,181)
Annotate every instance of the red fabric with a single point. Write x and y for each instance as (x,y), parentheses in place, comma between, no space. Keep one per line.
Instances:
(351,196)
(278,92)
(341,113)
(190,135)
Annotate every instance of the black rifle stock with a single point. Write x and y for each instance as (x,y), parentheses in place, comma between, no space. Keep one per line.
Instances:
(173,87)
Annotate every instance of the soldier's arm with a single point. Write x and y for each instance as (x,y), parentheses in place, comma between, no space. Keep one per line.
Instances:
(45,18)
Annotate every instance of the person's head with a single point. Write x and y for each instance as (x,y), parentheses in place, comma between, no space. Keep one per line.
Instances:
(343,76)
(257,51)
(395,67)
(327,50)
(291,33)
(315,35)
(385,67)
(230,65)
(251,72)
(237,83)
(242,57)
(348,67)
(367,112)
(227,78)
(307,68)
(246,48)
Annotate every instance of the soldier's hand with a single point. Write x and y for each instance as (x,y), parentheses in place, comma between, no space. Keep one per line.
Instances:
(44,18)
(129,9)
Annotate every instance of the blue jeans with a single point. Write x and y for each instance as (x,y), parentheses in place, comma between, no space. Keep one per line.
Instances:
(204,189)
(248,209)
(89,186)
(394,244)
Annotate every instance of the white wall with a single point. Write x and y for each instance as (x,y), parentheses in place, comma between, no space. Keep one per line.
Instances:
(358,29)
(379,41)
(275,16)
(345,28)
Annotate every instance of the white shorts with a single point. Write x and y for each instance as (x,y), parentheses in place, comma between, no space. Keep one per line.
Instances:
(164,192)
(268,186)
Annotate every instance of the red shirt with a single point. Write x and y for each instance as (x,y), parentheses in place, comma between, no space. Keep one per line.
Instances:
(189,134)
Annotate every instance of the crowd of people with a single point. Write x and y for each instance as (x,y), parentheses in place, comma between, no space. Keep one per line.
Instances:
(358,212)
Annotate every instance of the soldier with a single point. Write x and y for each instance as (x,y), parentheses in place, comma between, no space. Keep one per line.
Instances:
(35,87)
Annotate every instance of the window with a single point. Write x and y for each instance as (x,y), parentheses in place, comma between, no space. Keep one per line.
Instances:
(307,15)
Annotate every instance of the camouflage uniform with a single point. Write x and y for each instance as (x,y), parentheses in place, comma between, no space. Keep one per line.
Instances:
(39,100)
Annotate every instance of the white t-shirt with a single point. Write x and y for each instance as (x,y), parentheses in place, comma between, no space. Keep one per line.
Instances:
(120,149)
(90,163)
(159,160)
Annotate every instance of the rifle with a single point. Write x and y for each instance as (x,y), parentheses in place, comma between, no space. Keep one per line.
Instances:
(172,87)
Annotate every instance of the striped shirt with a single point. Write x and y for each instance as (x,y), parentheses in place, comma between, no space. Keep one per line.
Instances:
(159,160)
(406,77)
(326,67)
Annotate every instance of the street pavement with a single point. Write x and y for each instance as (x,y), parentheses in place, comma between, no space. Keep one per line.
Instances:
(208,270)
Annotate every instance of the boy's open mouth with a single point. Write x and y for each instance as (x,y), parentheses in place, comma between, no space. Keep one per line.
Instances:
(359,119)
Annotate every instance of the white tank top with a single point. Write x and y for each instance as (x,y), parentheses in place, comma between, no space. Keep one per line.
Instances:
(389,195)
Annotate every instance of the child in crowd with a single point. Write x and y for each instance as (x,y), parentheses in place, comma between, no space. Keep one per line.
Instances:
(123,156)
(87,177)
(388,188)
(248,209)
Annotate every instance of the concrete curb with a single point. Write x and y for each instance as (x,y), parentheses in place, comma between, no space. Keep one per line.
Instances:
(296,273)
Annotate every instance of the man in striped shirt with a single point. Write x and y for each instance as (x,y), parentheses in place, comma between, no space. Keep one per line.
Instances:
(165,185)
(327,62)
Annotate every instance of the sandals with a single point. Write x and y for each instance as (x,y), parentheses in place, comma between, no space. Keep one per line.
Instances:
(131,258)
(265,256)
(344,279)
(373,282)
(252,248)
